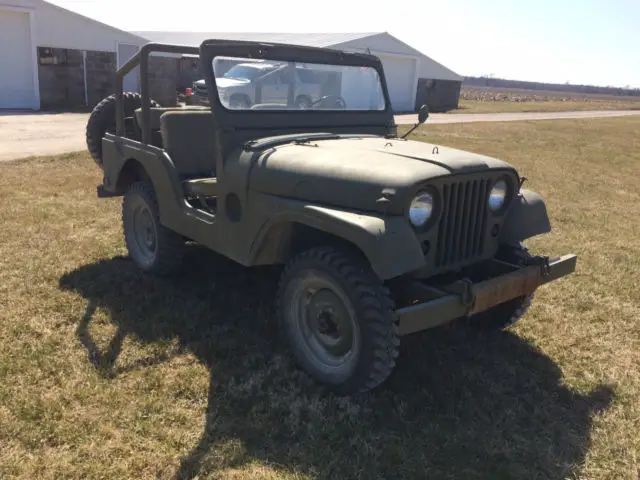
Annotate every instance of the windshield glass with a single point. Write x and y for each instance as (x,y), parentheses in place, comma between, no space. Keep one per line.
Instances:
(277,85)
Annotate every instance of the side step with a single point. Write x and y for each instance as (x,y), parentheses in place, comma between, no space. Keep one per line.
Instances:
(207,187)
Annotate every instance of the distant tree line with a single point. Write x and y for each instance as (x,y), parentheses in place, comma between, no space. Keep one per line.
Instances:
(487,81)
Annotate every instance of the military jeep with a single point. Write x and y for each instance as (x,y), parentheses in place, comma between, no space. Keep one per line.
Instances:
(378,236)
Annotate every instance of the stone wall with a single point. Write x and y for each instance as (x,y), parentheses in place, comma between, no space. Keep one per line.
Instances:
(101,76)
(189,72)
(438,95)
(61,75)
(61,78)
(163,80)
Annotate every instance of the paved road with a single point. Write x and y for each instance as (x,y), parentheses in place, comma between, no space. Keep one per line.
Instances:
(510,117)
(25,134)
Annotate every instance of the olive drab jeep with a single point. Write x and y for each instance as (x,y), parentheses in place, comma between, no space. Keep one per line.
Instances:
(378,236)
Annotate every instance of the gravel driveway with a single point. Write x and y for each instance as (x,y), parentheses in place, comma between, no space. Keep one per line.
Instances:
(23,134)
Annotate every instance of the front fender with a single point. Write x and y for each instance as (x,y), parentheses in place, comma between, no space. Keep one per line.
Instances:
(527,218)
(388,242)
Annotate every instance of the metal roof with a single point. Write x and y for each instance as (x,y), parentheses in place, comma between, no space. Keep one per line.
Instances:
(428,67)
(305,39)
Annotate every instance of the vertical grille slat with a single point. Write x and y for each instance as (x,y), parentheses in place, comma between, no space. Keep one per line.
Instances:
(453,204)
(481,218)
(457,230)
(475,214)
(463,251)
(442,228)
(462,224)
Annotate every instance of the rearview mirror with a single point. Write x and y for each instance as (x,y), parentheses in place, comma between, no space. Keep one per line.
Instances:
(423,114)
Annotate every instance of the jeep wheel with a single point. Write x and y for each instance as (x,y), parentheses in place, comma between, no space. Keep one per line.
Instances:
(103,120)
(303,102)
(338,319)
(152,246)
(508,313)
(239,102)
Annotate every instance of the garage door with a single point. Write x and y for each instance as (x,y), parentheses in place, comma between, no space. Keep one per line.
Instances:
(16,72)
(401,76)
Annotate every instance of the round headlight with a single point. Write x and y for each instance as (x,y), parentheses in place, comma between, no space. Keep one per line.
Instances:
(421,209)
(498,195)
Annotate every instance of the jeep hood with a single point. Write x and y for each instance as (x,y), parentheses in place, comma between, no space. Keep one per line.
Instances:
(352,172)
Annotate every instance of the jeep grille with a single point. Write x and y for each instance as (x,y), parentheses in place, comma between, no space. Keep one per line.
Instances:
(462,222)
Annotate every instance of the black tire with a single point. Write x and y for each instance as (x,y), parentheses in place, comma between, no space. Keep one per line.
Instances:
(367,332)
(103,120)
(303,102)
(157,250)
(239,101)
(506,314)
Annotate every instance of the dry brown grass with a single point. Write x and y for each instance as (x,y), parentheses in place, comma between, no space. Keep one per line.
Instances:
(107,373)
(496,100)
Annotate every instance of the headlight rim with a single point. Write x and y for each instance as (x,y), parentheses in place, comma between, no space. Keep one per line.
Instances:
(508,194)
(435,211)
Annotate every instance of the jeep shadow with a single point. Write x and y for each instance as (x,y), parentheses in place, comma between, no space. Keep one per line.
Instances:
(462,404)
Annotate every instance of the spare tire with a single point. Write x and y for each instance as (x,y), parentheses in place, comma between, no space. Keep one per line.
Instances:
(103,120)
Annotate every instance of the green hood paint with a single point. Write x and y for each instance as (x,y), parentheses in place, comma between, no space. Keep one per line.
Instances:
(351,172)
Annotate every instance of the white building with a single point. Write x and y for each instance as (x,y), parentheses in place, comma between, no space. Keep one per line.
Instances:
(55,58)
(39,39)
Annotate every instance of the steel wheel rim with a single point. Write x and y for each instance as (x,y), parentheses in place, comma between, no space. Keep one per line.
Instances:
(144,233)
(323,323)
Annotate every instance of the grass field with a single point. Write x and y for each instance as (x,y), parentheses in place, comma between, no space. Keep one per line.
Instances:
(495,100)
(107,373)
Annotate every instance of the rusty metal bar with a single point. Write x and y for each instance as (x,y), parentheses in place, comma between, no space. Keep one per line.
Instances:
(488,293)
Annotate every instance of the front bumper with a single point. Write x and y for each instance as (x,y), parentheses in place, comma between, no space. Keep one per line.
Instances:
(465,298)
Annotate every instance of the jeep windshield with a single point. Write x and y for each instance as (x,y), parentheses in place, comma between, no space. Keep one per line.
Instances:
(296,85)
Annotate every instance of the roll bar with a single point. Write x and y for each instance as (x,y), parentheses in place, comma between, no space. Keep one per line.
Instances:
(142,58)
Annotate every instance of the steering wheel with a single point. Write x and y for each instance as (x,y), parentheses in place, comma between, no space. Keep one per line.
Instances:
(339,101)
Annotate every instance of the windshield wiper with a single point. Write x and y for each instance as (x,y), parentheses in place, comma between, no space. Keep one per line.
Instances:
(255,145)
(307,140)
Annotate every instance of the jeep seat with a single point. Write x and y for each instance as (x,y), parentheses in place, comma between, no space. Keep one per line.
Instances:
(156,112)
(188,138)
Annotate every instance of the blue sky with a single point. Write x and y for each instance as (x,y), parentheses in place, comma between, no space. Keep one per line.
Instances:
(590,41)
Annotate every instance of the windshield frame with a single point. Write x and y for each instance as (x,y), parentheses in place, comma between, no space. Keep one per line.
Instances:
(291,119)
